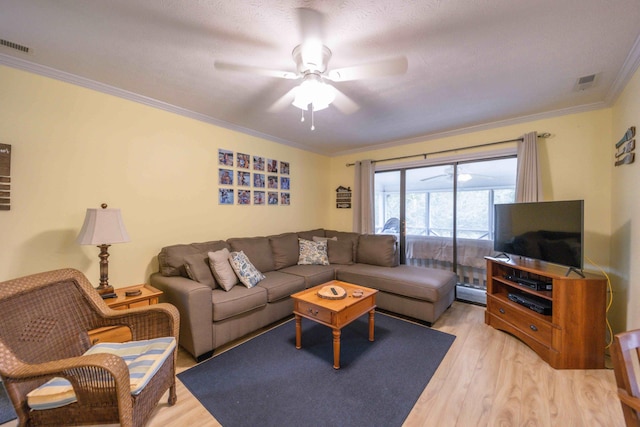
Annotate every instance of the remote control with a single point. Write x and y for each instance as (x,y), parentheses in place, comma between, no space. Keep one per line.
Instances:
(333,291)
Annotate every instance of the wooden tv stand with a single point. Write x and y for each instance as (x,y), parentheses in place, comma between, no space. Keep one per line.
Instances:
(573,336)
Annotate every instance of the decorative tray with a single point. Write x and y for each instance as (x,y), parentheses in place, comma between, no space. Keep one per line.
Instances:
(332,292)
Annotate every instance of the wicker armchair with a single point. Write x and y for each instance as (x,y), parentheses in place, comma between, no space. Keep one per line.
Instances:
(626,357)
(43,334)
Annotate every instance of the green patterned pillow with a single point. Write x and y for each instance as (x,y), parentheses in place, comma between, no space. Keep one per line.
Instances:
(246,272)
(312,253)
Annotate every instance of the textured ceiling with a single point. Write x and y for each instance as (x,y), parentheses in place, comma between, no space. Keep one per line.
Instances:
(471,62)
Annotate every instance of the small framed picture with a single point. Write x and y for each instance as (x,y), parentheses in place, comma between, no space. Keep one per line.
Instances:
(244,197)
(272,181)
(225,157)
(285,199)
(272,166)
(272,197)
(284,183)
(225,176)
(244,179)
(225,196)
(258,163)
(284,168)
(258,198)
(258,180)
(242,160)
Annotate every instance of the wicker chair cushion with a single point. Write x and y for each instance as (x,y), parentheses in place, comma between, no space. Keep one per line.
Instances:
(143,358)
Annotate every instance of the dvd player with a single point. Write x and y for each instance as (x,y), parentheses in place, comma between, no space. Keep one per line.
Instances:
(538,305)
(537,285)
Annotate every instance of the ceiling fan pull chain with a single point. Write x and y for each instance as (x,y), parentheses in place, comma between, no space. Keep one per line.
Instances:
(312,121)
(301,115)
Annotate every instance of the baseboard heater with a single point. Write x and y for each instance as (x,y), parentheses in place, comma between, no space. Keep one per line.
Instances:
(470,294)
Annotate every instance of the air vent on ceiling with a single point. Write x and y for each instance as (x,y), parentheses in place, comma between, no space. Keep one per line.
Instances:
(13,45)
(585,82)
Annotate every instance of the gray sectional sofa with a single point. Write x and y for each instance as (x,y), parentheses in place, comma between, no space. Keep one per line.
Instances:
(211,316)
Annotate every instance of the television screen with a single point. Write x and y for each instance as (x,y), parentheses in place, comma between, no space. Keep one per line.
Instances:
(548,231)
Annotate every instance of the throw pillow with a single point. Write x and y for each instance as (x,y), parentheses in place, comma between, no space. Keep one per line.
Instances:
(340,251)
(312,253)
(197,266)
(246,272)
(221,269)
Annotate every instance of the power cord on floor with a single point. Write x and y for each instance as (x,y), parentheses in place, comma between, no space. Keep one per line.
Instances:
(610,292)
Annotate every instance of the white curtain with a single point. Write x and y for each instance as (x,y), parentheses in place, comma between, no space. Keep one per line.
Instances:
(363,197)
(528,178)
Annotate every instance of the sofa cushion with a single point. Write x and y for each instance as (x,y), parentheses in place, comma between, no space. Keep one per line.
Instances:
(377,249)
(308,235)
(143,358)
(312,253)
(171,258)
(237,301)
(429,284)
(345,235)
(313,275)
(222,270)
(340,251)
(197,267)
(281,285)
(285,249)
(257,249)
(246,272)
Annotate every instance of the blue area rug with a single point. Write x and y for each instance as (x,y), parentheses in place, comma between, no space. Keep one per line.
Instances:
(6,408)
(267,382)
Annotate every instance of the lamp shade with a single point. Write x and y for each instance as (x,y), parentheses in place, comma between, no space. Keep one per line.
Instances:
(103,227)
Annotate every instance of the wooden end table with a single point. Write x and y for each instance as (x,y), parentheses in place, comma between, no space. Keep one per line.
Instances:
(148,296)
(333,313)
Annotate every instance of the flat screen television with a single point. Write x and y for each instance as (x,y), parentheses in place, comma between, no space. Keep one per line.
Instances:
(547,231)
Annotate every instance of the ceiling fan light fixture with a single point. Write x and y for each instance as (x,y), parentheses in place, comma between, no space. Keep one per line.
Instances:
(315,92)
(464,177)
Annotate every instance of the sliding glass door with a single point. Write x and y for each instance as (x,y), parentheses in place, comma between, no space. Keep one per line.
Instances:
(443,214)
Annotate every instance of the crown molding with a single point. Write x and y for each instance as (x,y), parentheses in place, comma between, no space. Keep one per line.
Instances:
(627,71)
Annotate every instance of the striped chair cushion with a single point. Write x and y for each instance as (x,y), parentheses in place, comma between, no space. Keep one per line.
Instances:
(143,359)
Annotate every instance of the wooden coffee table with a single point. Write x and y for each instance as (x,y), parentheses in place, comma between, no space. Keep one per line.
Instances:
(333,313)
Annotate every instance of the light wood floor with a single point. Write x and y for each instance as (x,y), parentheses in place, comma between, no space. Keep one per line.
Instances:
(488,378)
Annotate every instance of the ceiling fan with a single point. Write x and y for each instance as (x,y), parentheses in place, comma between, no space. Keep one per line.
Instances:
(312,57)
(463,176)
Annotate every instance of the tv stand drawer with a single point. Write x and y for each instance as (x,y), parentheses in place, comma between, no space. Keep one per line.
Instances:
(527,323)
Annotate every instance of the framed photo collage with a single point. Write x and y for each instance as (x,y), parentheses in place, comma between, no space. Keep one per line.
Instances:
(245,179)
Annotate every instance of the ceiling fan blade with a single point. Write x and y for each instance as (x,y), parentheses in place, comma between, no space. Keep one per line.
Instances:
(387,67)
(343,103)
(226,66)
(283,102)
(444,175)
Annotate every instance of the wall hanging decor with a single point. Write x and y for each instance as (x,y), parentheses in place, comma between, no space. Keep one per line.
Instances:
(252,175)
(343,197)
(5,177)
(625,147)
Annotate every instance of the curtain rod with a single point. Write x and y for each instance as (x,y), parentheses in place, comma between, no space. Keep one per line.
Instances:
(424,155)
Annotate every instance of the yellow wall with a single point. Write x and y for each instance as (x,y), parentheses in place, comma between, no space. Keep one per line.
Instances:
(625,208)
(74,148)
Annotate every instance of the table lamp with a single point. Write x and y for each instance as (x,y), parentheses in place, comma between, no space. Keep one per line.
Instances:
(103,227)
